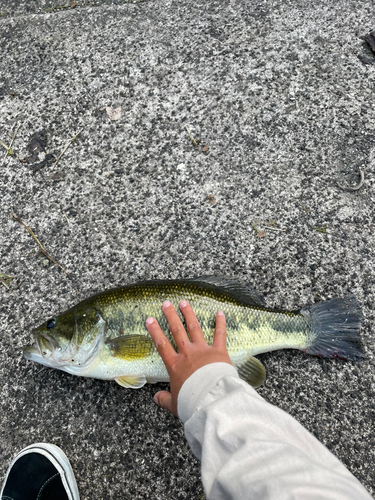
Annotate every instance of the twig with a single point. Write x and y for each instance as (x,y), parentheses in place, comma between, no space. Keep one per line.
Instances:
(195,143)
(66,147)
(15,217)
(358,186)
(5,147)
(6,280)
(254,227)
(9,149)
(14,136)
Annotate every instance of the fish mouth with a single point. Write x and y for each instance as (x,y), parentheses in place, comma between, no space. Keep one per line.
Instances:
(42,349)
(32,353)
(45,344)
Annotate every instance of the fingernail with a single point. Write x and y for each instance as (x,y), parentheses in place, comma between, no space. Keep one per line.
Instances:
(166,304)
(149,321)
(220,313)
(183,303)
(156,400)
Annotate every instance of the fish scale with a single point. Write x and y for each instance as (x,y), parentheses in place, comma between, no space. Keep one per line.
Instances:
(105,337)
(249,328)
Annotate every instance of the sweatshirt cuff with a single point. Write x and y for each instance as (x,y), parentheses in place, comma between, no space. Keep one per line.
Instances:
(198,385)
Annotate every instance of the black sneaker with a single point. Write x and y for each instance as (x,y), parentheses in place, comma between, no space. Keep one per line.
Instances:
(40,472)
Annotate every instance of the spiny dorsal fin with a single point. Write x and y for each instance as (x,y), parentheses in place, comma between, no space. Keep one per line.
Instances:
(131,347)
(252,371)
(241,291)
(131,381)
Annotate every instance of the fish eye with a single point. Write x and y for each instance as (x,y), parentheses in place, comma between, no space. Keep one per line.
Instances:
(51,323)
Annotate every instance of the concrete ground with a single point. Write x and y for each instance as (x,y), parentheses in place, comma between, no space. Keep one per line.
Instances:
(282,93)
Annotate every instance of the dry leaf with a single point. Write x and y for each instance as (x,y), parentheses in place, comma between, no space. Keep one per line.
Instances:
(211,199)
(205,148)
(114,113)
(261,234)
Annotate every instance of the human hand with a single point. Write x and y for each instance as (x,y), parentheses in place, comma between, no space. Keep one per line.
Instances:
(191,354)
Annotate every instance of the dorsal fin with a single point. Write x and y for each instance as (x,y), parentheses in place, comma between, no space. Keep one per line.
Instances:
(241,291)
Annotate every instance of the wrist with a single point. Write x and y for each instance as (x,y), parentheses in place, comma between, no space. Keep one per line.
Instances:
(198,385)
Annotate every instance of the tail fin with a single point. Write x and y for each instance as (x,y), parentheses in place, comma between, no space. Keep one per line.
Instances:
(335,325)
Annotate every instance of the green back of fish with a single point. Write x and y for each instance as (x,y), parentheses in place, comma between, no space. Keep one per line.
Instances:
(251,326)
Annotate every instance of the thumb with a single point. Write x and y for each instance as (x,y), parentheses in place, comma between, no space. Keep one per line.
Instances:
(164,399)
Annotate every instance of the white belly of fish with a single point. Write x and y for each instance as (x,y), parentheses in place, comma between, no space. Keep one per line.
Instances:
(107,367)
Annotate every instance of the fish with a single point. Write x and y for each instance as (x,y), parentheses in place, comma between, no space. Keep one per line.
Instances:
(105,337)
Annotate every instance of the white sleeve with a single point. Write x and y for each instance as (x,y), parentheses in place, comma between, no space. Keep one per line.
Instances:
(250,449)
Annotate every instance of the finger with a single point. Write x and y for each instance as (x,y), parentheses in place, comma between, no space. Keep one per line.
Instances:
(164,399)
(220,334)
(175,325)
(192,324)
(162,344)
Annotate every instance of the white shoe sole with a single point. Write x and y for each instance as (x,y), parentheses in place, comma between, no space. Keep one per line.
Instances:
(58,459)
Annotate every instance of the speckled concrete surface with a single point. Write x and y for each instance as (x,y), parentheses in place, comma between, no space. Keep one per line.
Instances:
(277,91)
(17,7)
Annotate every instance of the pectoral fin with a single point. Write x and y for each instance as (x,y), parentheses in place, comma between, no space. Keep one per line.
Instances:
(131,381)
(131,347)
(252,371)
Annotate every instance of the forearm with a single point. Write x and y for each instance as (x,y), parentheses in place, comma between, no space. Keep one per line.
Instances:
(252,449)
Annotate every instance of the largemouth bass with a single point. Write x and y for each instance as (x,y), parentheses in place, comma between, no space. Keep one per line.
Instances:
(105,336)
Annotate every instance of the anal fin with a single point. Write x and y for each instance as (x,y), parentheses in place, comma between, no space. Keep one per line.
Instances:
(131,381)
(252,371)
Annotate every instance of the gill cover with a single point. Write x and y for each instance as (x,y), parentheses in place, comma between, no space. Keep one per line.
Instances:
(71,341)
(89,334)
